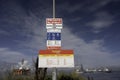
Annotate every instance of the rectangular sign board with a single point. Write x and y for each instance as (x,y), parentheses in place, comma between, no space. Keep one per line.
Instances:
(56,58)
(54,30)
(53,36)
(54,23)
(53,43)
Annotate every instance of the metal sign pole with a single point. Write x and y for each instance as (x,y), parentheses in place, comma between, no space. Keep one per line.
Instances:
(54,75)
(53,8)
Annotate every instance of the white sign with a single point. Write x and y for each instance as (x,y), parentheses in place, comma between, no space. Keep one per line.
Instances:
(54,30)
(53,43)
(56,59)
(54,23)
(52,61)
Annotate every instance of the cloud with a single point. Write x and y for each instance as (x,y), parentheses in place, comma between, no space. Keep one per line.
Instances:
(102,20)
(35,31)
(89,54)
(82,9)
(12,56)
(89,6)
(29,29)
(67,7)
(92,54)
(97,4)
(3,32)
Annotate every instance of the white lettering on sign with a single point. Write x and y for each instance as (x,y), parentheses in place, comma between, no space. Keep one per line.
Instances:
(53,21)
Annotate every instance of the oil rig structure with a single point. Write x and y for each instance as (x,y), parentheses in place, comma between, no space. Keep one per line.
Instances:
(22,68)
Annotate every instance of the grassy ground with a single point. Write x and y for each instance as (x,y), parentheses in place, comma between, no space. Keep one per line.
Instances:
(60,76)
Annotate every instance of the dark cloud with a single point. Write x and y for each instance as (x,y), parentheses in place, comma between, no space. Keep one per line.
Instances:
(23,32)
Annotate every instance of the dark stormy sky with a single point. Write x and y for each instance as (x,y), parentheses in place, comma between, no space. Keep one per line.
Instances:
(90,27)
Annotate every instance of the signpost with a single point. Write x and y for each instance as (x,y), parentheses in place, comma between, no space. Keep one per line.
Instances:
(54,57)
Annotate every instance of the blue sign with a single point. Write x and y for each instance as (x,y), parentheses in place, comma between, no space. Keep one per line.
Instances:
(53,36)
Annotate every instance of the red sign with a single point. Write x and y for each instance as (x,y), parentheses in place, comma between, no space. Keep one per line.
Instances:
(53,47)
(56,51)
(54,21)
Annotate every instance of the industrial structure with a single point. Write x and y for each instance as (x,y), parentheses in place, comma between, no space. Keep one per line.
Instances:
(22,68)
